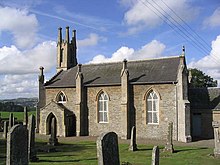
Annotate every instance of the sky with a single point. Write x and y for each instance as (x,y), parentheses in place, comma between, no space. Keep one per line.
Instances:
(107,31)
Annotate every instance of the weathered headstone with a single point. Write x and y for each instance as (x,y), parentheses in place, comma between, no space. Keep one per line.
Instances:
(17,145)
(53,136)
(155,156)
(31,139)
(5,129)
(25,121)
(107,149)
(10,124)
(13,121)
(133,144)
(215,125)
(169,144)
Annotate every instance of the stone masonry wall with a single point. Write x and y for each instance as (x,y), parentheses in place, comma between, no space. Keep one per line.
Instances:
(114,94)
(167,111)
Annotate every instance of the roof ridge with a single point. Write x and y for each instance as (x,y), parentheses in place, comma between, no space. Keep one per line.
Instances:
(115,62)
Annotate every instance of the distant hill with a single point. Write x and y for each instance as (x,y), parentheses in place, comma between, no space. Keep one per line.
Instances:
(17,105)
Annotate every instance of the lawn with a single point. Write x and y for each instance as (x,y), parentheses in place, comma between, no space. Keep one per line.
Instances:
(84,153)
(18,115)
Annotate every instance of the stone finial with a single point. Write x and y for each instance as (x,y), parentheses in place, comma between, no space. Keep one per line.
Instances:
(74,33)
(183,51)
(124,64)
(59,35)
(124,68)
(67,34)
(79,67)
(41,71)
(190,75)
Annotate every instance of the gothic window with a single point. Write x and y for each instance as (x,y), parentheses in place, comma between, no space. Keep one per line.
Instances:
(152,108)
(103,108)
(61,98)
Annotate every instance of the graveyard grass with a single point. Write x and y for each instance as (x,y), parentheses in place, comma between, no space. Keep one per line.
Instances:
(18,115)
(84,153)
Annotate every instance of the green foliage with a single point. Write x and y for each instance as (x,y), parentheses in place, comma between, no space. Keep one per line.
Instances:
(10,107)
(200,79)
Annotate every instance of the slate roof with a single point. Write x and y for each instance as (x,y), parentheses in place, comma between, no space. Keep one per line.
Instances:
(204,98)
(161,70)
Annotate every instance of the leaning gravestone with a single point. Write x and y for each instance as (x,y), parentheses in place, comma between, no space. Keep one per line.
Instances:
(25,121)
(155,156)
(17,145)
(53,136)
(10,124)
(133,144)
(107,149)
(169,144)
(31,139)
(5,129)
(215,125)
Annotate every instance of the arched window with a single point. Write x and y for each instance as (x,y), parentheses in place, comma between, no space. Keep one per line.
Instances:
(152,108)
(103,108)
(61,98)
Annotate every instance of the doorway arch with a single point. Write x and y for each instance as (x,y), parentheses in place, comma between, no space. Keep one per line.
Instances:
(49,123)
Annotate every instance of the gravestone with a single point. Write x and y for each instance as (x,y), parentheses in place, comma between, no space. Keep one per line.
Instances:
(215,126)
(17,145)
(31,139)
(5,129)
(13,121)
(107,149)
(10,124)
(155,156)
(25,121)
(169,144)
(133,144)
(53,136)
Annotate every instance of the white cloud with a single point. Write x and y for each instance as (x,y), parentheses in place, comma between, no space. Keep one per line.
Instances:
(150,50)
(92,40)
(210,63)
(15,61)
(21,24)
(14,86)
(142,13)
(214,20)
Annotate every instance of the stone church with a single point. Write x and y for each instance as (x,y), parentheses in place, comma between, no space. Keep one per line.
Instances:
(89,99)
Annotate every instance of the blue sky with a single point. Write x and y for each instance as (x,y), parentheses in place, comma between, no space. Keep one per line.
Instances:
(107,31)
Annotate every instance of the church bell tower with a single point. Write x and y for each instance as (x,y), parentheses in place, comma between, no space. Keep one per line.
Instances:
(66,50)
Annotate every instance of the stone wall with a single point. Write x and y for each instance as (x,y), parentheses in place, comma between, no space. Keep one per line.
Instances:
(114,94)
(138,115)
(167,111)
(207,116)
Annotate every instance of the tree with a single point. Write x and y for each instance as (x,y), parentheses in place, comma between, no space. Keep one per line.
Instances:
(200,79)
